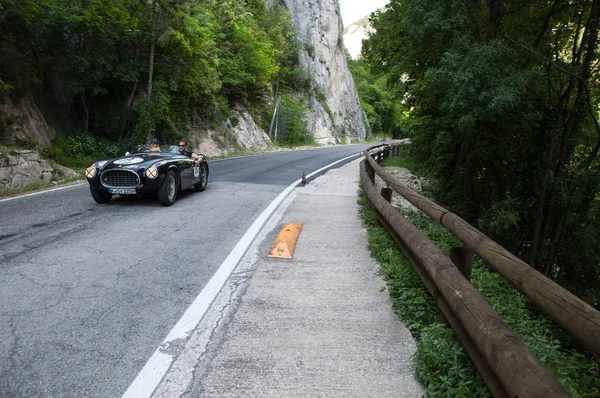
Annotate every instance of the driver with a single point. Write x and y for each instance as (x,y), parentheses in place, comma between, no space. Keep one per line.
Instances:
(183,151)
(155,145)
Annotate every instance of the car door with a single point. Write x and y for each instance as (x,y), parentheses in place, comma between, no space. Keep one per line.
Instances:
(186,172)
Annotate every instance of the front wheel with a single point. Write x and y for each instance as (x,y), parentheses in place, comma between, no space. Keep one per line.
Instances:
(167,193)
(201,185)
(100,196)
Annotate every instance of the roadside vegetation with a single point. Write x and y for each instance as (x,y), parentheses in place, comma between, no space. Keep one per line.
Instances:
(110,75)
(380,101)
(502,106)
(442,365)
(124,71)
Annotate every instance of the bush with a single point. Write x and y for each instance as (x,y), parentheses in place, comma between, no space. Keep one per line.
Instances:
(78,151)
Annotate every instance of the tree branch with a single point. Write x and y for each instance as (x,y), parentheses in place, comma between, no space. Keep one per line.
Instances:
(584,83)
(14,52)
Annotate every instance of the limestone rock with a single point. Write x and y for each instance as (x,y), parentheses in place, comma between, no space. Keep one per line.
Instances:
(6,175)
(63,173)
(30,156)
(248,134)
(46,177)
(335,110)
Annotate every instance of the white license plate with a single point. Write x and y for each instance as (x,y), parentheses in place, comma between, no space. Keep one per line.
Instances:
(122,191)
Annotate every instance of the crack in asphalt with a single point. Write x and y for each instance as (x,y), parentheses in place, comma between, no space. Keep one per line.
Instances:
(108,310)
(237,284)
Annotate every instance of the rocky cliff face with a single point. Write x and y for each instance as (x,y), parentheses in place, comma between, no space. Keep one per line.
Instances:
(335,108)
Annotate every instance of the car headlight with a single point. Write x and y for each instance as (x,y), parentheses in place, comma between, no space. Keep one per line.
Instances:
(92,169)
(90,172)
(151,172)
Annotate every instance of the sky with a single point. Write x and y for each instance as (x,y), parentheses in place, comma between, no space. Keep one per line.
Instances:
(353,10)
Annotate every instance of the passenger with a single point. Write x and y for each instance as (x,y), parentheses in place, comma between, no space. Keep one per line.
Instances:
(155,145)
(183,151)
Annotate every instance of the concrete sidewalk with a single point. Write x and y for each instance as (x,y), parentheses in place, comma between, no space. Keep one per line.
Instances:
(316,325)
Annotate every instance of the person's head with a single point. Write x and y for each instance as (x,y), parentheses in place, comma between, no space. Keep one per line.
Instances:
(182,144)
(154,144)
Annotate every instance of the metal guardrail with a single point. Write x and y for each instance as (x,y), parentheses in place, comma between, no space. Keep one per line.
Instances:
(507,366)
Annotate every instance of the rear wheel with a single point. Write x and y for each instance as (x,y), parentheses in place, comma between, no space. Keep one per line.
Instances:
(167,193)
(201,185)
(100,196)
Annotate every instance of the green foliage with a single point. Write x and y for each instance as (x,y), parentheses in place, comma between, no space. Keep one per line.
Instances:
(404,159)
(27,143)
(154,113)
(78,151)
(503,108)
(378,99)
(294,111)
(93,59)
(575,371)
(442,365)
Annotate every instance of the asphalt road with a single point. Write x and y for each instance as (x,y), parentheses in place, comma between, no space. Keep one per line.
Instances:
(88,291)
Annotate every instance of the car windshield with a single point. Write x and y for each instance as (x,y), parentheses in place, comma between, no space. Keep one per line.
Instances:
(161,149)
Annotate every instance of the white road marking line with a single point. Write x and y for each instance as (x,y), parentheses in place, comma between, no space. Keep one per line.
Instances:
(40,192)
(159,363)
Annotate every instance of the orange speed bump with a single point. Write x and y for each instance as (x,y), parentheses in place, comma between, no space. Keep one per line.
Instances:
(283,247)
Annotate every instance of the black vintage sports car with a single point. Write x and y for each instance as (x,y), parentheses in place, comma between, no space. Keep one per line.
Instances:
(163,171)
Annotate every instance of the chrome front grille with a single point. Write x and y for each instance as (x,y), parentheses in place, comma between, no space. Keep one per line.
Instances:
(121,178)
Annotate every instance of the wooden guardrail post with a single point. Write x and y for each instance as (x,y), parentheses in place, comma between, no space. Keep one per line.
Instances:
(386,193)
(462,257)
(371,173)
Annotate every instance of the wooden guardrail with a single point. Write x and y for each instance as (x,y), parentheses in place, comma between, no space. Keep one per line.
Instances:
(577,317)
(507,366)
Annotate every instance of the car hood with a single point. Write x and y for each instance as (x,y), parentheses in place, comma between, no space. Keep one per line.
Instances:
(140,160)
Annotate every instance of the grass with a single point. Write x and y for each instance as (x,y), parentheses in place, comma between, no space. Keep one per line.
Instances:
(442,366)
(400,161)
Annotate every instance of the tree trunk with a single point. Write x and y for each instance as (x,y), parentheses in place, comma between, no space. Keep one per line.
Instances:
(86,113)
(576,115)
(535,241)
(152,44)
(545,24)
(496,14)
(558,235)
(127,110)
(151,66)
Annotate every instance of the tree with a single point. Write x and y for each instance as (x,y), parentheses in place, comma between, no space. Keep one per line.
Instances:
(502,94)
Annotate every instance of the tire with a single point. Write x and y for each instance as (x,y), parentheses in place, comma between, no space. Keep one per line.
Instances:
(100,196)
(167,193)
(201,185)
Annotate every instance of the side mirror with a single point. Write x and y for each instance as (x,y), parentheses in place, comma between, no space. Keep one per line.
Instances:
(127,153)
